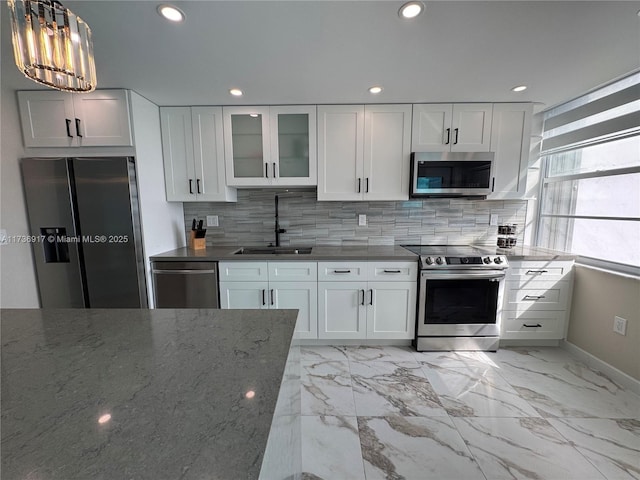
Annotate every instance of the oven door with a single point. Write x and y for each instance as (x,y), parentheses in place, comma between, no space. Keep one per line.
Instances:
(460,303)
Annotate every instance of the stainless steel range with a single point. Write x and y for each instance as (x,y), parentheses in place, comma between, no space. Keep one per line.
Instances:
(459,299)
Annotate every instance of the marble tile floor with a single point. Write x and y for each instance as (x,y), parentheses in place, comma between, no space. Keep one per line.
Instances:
(523,413)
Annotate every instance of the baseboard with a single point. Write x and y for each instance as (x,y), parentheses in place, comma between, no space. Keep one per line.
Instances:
(618,376)
(352,342)
(529,343)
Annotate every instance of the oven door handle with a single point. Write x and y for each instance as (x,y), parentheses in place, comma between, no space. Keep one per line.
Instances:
(428,275)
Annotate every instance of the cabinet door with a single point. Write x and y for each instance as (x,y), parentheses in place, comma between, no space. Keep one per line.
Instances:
(208,155)
(471,127)
(293,145)
(510,140)
(246,146)
(340,152)
(341,310)
(47,118)
(387,143)
(244,295)
(104,119)
(302,296)
(177,153)
(431,128)
(391,310)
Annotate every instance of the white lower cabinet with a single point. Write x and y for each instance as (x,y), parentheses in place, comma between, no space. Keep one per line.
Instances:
(263,285)
(537,300)
(352,307)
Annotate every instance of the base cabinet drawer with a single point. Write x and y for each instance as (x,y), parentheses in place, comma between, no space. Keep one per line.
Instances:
(537,296)
(533,324)
(538,270)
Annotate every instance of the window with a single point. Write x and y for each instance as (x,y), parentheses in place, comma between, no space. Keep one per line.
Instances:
(590,199)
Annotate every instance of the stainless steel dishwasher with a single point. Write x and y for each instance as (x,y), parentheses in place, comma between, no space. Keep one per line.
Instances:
(185,284)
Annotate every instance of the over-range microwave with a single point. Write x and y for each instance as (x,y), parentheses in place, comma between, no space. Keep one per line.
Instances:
(451,174)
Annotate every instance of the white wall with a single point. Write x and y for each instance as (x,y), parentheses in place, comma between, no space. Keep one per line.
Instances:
(18,287)
(598,296)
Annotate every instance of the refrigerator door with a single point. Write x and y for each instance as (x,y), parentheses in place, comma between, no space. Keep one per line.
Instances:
(109,222)
(51,218)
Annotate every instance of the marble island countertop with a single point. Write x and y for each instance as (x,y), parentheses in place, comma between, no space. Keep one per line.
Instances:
(140,394)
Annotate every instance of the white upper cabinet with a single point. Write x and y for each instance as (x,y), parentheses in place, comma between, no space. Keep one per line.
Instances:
(193,151)
(363,152)
(458,127)
(60,119)
(510,140)
(270,145)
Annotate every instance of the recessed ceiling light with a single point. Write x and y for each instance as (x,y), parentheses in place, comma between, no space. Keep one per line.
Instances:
(171,13)
(411,9)
(519,88)
(236,92)
(375,90)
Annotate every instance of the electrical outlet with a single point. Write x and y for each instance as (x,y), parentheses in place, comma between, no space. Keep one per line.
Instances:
(212,220)
(620,325)
(362,220)
(493,219)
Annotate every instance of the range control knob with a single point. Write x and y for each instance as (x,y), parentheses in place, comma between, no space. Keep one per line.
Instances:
(498,260)
(429,261)
(486,259)
(439,260)
(464,260)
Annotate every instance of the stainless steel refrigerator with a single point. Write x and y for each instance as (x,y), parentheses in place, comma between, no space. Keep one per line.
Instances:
(85,227)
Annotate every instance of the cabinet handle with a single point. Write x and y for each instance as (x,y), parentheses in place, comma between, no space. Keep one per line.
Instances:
(274,170)
(493,184)
(367,187)
(78,128)
(533,297)
(198,185)
(264,302)
(536,272)
(537,325)
(362,303)
(359,184)
(272,303)
(448,136)
(392,271)
(191,186)
(68,128)
(371,298)
(266,170)
(342,271)
(455,142)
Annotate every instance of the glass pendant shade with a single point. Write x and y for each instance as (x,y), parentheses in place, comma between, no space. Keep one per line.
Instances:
(52,45)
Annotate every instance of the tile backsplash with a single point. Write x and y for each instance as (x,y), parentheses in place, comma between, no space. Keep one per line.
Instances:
(251,221)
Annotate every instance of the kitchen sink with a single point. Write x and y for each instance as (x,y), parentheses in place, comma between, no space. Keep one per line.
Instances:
(273,251)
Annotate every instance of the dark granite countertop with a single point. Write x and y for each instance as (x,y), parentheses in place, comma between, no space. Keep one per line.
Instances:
(318,253)
(525,252)
(172,381)
(362,253)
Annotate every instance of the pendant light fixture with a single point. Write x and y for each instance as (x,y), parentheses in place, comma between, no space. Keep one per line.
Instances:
(52,45)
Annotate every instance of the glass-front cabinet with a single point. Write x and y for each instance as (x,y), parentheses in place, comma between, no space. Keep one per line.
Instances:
(270,145)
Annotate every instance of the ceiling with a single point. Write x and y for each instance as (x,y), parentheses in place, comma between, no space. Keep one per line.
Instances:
(291,52)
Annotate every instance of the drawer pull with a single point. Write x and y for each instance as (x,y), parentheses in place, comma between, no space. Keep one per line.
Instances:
(537,325)
(533,297)
(536,272)
(392,271)
(342,271)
